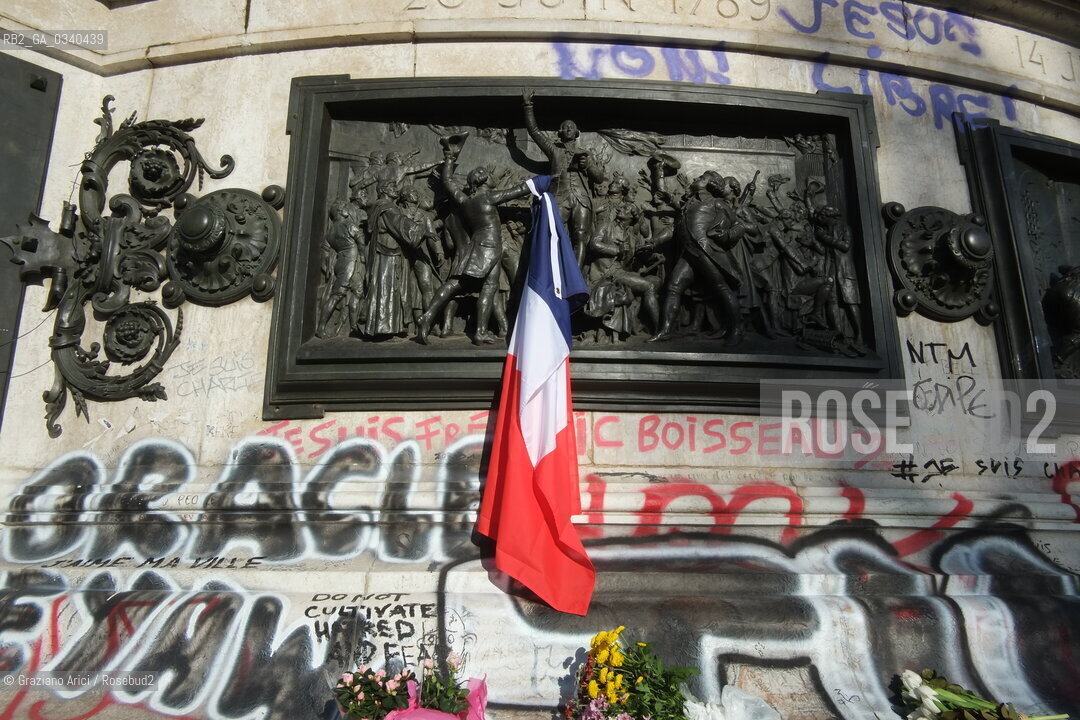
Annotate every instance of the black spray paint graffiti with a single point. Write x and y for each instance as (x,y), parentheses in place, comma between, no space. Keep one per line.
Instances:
(357,498)
(377,629)
(222,649)
(840,603)
(216,649)
(21,613)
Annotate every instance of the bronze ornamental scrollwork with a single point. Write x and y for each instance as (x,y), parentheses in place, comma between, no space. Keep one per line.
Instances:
(942,262)
(721,232)
(221,248)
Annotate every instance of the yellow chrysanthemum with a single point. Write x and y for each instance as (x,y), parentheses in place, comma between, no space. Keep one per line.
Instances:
(594,689)
(619,630)
(639,680)
(618,682)
(616,658)
(602,656)
(604,674)
(612,697)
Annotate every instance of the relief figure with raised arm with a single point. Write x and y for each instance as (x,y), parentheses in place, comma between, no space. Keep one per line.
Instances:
(478,264)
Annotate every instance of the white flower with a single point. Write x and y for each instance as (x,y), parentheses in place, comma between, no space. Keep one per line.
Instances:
(911,680)
(927,695)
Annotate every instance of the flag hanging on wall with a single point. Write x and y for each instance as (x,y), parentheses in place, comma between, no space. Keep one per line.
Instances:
(532,481)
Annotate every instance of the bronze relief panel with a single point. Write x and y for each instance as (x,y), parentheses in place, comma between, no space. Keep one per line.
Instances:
(726,235)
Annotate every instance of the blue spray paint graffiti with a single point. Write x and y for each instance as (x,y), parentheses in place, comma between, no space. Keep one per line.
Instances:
(594,62)
(689,65)
(929,26)
(941,101)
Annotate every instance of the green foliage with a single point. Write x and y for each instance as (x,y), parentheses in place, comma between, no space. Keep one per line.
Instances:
(635,685)
(371,694)
(444,693)
(656,690)
(932,697)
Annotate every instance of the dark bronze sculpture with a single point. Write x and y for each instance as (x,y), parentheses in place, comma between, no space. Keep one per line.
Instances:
(221,248)
(707,230)
(577,173)
(479,254)
(943,263)
(622,273)
(1025,189)
(397,241)
(344,242)
(662,204)
(667,258)
(834,235)
(1061,305)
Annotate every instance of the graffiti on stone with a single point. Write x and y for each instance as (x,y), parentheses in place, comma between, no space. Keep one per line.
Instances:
(814,582)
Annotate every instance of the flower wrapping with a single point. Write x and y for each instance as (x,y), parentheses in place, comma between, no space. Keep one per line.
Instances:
(434,694)
(477,700)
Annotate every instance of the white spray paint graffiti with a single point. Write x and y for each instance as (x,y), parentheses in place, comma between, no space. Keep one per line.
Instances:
(98,593)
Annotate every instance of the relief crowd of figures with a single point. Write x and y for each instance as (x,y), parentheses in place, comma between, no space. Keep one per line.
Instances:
(666,256)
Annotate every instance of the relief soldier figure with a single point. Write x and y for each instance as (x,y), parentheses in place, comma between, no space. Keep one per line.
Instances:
(576,172)
(362,181)
(394,169)
(427,257)
(780,261)
(514,233)
(622,274)
(477,265)
(1061,305)
(835,236)
(742,250)
(707,229)
(661,210)
(345,241)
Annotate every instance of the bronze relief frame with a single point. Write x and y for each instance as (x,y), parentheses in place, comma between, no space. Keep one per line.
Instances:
(727,235)
(1027,187)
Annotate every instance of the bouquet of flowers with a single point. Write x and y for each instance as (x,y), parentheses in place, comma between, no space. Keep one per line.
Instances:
(931,697)
(374,694)
(630,685)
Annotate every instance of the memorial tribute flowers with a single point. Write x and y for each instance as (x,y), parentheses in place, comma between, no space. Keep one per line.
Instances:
(930,696)
(634,684)
(369,694)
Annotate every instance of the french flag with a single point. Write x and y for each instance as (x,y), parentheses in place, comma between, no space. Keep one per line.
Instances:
(532,481)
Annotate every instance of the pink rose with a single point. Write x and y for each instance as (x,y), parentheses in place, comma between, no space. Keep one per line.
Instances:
(346,679)
(453,660)
(392,685)
(429,663)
